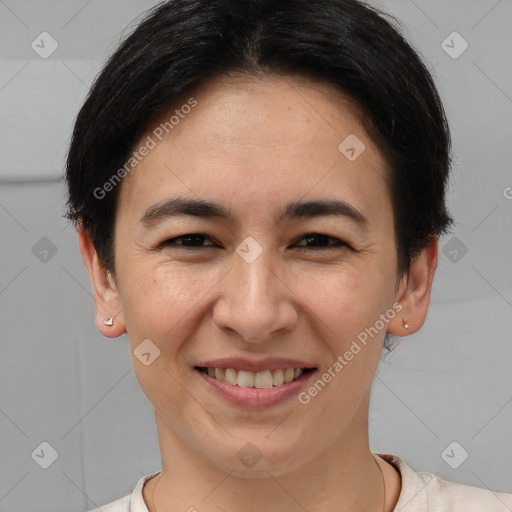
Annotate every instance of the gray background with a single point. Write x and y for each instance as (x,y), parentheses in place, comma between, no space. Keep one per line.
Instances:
(62,383)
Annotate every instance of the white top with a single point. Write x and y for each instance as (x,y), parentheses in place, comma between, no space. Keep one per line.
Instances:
(421,492)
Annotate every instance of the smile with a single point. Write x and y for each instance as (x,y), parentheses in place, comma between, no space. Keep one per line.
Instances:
(254,390)
(261,380)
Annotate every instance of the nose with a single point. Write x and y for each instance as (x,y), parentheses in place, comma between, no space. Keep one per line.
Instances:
(256,302)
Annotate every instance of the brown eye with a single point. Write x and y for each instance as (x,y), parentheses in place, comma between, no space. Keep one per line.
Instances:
(319,241)
(190,241)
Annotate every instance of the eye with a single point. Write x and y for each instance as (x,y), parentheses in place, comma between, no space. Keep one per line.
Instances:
(314,241)
(190,241)
(320,241)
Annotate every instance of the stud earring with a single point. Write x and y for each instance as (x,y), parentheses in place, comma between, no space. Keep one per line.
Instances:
(109,321)
(405,323)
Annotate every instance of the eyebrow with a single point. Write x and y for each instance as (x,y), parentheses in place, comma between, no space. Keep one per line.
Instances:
(200,208)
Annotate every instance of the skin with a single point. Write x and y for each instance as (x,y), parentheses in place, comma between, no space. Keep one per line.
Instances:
(253,145)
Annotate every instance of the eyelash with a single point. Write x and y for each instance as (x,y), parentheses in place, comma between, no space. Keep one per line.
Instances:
(338,243)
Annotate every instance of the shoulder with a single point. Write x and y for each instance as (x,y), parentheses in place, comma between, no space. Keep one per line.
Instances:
(120,505)
(133,502)
(422,492)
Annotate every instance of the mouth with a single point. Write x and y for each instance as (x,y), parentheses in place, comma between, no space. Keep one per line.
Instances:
(265,379)
(251,385)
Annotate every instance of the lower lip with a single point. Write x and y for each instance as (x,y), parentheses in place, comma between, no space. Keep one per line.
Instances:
(256,398)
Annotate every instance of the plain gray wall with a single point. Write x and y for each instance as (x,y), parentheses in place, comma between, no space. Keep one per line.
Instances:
(62,383)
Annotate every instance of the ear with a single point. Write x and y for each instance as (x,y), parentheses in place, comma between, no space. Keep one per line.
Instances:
(414,292)
(106,296)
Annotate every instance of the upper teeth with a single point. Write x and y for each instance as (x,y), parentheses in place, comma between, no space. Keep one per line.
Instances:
(264,379)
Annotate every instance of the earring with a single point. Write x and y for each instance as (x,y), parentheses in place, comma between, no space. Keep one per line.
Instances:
(405,324)
(109,321)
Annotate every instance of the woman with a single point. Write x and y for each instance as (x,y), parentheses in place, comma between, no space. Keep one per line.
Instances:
(259,188)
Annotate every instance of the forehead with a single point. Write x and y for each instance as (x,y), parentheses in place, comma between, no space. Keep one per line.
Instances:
(268,139)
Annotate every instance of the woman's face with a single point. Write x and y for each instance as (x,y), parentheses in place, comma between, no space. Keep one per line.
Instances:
(267,287)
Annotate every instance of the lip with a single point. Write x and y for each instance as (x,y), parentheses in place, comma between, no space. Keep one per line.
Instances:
(255,398)
(250,365)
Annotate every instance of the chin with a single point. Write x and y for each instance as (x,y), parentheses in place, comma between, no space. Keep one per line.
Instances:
(252,462)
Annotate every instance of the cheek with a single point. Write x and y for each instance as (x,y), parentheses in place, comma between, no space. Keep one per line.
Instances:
(161,305)
(344,307)
(167,303)
(159,298)
(343,302)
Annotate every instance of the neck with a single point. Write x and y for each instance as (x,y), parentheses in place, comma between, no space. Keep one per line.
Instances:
(346,477)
